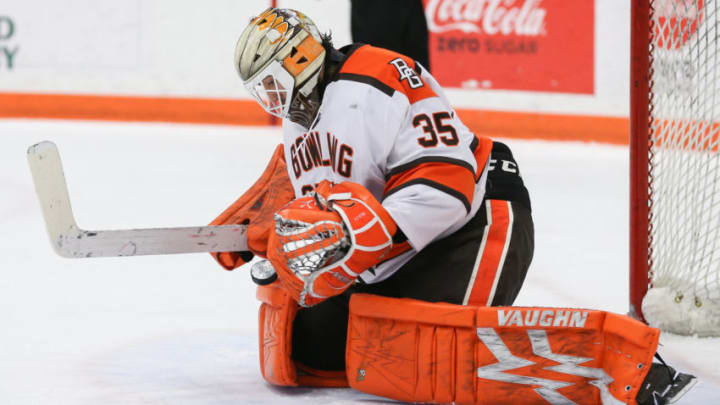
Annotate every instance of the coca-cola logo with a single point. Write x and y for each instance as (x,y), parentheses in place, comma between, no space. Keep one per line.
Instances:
(490,17)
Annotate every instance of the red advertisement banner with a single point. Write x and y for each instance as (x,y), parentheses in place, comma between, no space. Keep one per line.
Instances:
(532,45)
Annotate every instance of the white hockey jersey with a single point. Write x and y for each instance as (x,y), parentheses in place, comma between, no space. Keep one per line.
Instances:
(385,123)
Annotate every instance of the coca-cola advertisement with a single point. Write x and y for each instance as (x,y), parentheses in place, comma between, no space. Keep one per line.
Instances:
(532,45)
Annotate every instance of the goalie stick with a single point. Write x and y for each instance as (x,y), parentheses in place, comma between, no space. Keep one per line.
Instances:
(69,240)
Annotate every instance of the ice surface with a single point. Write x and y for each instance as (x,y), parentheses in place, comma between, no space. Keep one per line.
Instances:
(179,329)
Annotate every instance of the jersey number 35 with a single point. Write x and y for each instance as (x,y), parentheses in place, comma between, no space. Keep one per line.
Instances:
(433,127)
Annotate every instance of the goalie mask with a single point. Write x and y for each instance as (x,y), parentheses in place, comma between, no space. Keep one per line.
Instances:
(279,57)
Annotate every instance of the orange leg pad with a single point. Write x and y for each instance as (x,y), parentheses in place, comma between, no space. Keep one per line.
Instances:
(417,351)
(277,313)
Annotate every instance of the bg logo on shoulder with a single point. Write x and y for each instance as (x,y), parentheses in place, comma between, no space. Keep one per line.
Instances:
(406,73)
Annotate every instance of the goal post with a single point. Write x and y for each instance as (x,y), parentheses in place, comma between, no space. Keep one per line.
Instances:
(675,165)
(639,151)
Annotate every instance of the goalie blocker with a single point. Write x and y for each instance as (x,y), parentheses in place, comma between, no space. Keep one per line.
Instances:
(417,351)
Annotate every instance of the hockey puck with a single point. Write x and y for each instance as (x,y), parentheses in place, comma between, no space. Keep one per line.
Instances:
(263,273)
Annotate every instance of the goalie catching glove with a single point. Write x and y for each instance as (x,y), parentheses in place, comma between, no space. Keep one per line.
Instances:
(324,241)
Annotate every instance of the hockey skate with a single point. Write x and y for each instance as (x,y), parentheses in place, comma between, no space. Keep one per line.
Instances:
(663,385)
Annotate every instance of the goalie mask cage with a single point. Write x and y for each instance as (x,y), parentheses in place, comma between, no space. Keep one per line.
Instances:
(675,165)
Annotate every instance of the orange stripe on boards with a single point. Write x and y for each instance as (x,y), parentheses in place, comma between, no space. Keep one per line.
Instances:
(555,127)
(491,254)
(247,112)
(125,108)
(686,134)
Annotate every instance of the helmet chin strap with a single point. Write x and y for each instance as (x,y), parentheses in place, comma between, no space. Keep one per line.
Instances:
(303,109)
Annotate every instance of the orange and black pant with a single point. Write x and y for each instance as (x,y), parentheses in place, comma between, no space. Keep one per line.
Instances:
(482,264)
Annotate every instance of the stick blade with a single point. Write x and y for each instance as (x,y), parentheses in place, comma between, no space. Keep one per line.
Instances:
(70,241)
(51,188)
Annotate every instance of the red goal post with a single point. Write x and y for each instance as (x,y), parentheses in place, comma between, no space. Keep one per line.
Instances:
(675,165)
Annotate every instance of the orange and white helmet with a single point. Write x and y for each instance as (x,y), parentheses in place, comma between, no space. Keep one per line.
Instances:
(279,57)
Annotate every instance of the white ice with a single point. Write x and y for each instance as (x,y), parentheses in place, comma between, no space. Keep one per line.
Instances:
(180,330)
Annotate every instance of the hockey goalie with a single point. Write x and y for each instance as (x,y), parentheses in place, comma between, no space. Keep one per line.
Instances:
(394,242)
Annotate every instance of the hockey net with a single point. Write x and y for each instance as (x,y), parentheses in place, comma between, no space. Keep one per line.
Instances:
(675,165)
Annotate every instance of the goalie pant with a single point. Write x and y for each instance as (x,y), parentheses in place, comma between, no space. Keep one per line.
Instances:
(483,263)
(416,351)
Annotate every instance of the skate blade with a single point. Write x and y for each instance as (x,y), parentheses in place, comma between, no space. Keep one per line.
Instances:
(684,383)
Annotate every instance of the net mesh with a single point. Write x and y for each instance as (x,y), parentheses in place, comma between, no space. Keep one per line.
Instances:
(684,170)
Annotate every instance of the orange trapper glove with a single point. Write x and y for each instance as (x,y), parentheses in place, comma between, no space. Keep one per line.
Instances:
(322,242)
(256,208)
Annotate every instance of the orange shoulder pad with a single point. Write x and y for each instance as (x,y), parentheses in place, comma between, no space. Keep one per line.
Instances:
(382,67)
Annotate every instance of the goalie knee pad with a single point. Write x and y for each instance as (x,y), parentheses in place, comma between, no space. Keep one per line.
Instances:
(277,313)
(417,351)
